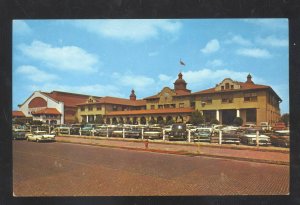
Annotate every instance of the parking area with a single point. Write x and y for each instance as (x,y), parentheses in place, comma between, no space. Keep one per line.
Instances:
(68,169)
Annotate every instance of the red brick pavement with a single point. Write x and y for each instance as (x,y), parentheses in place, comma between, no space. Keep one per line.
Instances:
(240,152)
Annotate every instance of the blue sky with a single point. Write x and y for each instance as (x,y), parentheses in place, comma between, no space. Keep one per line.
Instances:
(111,57)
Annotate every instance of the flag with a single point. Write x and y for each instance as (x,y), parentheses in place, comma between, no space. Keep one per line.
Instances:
(181,62)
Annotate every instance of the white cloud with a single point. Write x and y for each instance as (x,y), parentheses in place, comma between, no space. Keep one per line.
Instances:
(134,30)
(35,74)
(208,78)
(65,58)
(237,39)
(273,41)
(254,52)
(215,63)
(269,23)
(211,47)
(92,89)
(154,53)
(164,77)
(137,82)
(20,27)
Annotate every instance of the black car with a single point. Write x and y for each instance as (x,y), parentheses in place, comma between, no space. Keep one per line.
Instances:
(133,133)
(178,132)
(74,130)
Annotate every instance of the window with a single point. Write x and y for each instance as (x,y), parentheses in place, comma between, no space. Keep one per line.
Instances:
(226,86)
(82,108)
(172,105)
(227,99)
(98,107)
(207,100)
(222,87)
(250,97)
(231,86)
(152,107)
(90,108)
(114,108)
(192,104)
(160,106)
(181,105)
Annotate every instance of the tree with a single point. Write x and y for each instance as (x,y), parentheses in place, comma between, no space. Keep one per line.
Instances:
(238,121)
(286,119)
(170,122)
(197,118)
(214,121)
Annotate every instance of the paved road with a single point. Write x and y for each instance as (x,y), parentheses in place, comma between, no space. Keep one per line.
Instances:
(58,169)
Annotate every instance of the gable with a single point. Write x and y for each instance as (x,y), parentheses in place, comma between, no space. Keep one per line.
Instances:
(227,84)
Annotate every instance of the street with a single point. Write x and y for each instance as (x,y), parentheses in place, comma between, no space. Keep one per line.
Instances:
(60,169)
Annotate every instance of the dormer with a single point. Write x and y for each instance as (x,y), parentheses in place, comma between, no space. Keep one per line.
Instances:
(227,84)
(91,99)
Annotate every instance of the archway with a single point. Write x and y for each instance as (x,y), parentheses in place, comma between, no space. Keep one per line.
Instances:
(143,120)
(108,121)
(114,121)
(160,120)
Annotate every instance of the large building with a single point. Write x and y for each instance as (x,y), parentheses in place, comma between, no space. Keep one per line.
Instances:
(227,100)
(55,107)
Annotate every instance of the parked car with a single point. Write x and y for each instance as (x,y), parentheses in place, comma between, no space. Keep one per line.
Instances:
(249,138)
(117,132)
(178,132)
(230,137)
(281,138)
(60,130)
(279,126)
(133,132)
(265,126)
(75,128)
(153,133)
(39,136)
(88,129)
(103,131)
(202,135)
(19,134)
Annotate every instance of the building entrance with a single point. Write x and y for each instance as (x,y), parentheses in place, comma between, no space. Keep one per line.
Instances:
(228,117)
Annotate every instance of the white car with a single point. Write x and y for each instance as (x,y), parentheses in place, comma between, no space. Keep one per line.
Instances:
(39,136)
(249,138)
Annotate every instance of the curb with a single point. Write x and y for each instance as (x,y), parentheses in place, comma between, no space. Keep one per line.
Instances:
(223,146)
(182,152)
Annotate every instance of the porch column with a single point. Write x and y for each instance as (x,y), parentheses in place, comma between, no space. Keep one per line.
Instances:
(218,115)
(87,118)
(94,118)
(238,113)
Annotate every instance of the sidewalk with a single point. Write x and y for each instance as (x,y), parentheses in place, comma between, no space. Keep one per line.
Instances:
(272,155)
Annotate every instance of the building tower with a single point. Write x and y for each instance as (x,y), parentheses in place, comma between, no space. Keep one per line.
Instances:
(132,95)
(180,84)
(249,79)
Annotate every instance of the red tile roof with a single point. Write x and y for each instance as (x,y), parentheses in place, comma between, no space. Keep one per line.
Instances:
(148,112)
(69,99)
(178,93)
(244,86)
(119,101)
(18,114)
(48,111)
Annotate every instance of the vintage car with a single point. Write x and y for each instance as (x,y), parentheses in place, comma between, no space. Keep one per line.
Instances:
(281,138)
(75,128)
(279,126)
(153,133)
(118,132)
(104,131)
(88,129)
(40,136)
(249,138)
(19,134)
(230,137)
(133,132)
(202,135)
(60,130)
(178,132)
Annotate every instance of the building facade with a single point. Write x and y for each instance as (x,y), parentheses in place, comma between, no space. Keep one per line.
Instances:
(229,99)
